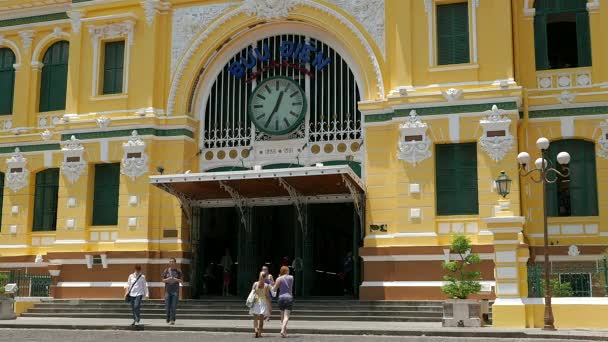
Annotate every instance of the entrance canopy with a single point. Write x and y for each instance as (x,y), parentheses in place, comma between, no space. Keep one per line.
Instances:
(260,187)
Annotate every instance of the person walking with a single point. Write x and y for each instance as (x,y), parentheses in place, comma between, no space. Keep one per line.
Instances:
(284,284)
(226,264)
(172,277)
(260,306)
(268,279)
(136,289)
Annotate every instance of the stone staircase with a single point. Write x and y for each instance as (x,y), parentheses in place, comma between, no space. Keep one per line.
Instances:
(313,309)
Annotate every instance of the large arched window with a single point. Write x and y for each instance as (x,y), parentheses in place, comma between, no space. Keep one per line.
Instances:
(45,200)
(561,34)
(7,80)
(575,195)
(53,84)
(330,88)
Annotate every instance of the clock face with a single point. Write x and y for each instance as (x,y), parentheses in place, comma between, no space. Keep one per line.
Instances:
(277,106)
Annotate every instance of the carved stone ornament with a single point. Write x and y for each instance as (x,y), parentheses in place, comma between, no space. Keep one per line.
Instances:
(496,140)
(113,31)
(269,9)
(134,160)
(17,175)
(414,145)
(73,165)
(103,121)
(566,97)
(152,7)
(573,251)
(46,135)
(603,141)
(452,94)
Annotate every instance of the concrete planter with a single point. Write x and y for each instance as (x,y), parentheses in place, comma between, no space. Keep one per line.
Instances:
(7,308)
(461,313)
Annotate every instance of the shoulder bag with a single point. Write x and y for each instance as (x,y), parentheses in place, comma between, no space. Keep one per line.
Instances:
(128,294)
(251,298)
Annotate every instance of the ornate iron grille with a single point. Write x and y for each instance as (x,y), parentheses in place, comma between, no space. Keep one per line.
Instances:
(332,94)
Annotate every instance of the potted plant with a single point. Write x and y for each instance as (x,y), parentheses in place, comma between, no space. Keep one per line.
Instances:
(7,310)
(459,311)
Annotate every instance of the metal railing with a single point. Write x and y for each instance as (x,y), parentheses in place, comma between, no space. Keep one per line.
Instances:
(571,279)
(29,285)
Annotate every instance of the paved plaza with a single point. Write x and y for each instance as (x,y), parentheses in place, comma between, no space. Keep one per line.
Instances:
(35,335)
(110,330)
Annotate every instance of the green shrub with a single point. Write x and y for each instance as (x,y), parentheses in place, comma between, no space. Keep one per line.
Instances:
(3,279)
(461,282)
(557,289)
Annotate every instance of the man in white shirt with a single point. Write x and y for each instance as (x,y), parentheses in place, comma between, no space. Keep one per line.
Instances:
(137,288)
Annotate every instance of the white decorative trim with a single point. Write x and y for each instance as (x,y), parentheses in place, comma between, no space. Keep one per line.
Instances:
(100,33)
(9,43)
(414,151)
(496,146)
(420,257)
(163,241)
(27,37)
(56,35)
(17,174)
(602,142)
(153,7)
(72,169)
(485,283)
(13,247)
(177,79)
(567,301)
(76,19)
(120,284)
(134,167)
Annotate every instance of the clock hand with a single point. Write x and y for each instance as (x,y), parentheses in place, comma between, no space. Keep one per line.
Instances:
(276,108)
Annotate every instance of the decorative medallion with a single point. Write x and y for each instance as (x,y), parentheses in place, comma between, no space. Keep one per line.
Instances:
(134,160)
(73,165)
(269,9)
(46,135)
(17,175)
(566,97)
(573,251)
(603,141)
(414,145)
(496,140)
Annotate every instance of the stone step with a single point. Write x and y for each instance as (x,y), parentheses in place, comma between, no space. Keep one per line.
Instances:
(145,310)
(240,306)
(274,317)
(240,301)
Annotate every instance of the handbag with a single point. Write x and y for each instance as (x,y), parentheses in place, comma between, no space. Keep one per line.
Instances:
(250,299)
(128,294)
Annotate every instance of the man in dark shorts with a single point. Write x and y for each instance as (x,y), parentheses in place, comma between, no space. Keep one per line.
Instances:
(172,277)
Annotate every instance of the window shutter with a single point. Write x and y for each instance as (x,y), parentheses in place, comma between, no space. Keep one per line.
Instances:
(583,39)
(583,185)
(105,194)
(540,42)
(45,200)
(456,179)
(54,79)
(7,80)
(113,67)
(453,34)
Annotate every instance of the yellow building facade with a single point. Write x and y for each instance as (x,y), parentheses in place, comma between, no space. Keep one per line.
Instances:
(301,130)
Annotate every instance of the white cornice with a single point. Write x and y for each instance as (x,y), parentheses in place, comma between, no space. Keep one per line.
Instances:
(119,16)
(25,12)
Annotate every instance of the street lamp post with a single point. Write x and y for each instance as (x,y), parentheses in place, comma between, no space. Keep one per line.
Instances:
(546,175)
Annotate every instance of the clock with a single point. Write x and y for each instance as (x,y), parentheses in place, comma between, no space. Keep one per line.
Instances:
(277,105)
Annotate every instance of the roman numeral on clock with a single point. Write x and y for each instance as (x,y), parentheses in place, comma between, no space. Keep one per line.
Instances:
(293,113)
(260,116)
(286,122)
